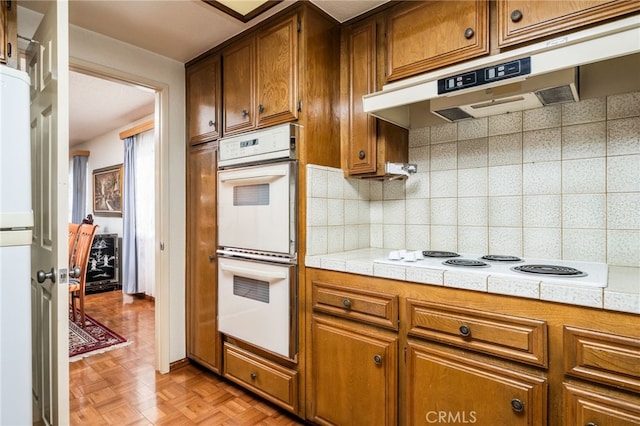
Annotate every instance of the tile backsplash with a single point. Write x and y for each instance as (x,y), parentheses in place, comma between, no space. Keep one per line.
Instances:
(560,182)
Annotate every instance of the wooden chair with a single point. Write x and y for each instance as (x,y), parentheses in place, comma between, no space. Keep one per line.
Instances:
(86,232)
(73,240)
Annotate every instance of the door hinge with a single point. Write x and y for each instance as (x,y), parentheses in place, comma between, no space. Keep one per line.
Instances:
(405,354)
(9,5)
(299,26)
(300,105)
(162,246)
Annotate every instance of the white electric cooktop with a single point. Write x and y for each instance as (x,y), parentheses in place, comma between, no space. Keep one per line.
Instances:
(548,270)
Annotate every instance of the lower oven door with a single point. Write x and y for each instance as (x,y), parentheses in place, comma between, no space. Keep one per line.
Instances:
(257,304)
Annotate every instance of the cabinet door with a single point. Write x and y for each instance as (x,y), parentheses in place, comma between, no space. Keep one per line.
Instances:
(354,375)
(203,344)
(524,20)
(4,23)
(586,407)
(361,140)
(277,73)
(442,385)
(426,35)
(369,142)
(238,86)
(203,100)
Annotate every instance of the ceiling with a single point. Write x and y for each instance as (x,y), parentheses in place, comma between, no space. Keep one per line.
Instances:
(176,29)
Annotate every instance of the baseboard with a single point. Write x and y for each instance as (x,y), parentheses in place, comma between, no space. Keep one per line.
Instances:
(176,365)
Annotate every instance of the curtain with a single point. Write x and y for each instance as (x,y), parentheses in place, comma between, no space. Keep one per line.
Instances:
(145,211)
(78,208)
(129,261)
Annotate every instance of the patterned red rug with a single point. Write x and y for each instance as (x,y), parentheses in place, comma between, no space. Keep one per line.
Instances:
(95,338)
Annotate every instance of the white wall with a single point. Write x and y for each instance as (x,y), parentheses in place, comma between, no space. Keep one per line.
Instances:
(95,51)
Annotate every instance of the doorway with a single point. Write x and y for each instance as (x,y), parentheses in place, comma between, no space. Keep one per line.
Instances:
(158,91)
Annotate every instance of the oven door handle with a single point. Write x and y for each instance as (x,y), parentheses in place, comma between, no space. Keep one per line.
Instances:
(253,177)
(270,276)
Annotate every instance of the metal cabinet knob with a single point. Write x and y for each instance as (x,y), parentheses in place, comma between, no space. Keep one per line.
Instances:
(361,155)
(591,424)
(212,123)
(517,405)
(469,33)
(346,303)
(465,331)
(260,108)
(211,258)
(377,359)
(42,276)
(244,113)
(516,16)
(253,376)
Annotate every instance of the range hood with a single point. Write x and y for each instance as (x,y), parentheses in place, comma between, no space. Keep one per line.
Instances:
(594,62)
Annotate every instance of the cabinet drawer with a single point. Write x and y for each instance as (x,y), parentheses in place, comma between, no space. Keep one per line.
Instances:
(267,379)
(506,336)
(362,305)
(605,358)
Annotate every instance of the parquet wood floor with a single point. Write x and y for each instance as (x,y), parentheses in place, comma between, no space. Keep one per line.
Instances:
(121,387)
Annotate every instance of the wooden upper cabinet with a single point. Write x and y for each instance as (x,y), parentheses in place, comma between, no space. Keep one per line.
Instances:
(260,78)
(277,73)
(422,36)
(203,100)
(238,86)
(520,21)
(8,33)
(360,148)
(367,143)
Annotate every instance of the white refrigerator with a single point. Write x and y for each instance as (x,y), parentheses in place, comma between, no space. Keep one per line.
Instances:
(16,224)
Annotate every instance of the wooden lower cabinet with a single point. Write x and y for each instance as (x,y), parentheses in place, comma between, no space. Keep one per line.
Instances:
(355,374)
(585,407)
(262,376)
(443,387)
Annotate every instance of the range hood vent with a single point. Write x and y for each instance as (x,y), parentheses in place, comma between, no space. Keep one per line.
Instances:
(546,89)
(606,58)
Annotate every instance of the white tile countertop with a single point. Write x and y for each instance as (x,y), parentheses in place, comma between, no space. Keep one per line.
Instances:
(621,293)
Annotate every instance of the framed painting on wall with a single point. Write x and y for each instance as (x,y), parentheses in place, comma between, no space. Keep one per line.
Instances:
(107,191)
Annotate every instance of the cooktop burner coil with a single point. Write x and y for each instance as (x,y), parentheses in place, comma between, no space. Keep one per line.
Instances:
(501,258)
(465,262)
(557,270)
(429,253)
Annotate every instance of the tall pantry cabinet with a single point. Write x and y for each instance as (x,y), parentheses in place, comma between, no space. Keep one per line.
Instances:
(203,111)
(283,70)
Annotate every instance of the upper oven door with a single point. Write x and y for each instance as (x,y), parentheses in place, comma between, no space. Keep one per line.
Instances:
(256,208)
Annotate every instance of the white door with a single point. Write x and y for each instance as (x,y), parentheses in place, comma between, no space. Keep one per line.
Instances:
(48,67)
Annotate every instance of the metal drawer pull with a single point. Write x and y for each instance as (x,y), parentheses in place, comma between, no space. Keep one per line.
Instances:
(346,303)
(465,331)
(377,359)
(244,113)
(361,155)
(517,405)
(253,376)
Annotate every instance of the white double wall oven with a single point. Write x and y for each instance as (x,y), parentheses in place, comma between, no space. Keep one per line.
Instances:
(257,238)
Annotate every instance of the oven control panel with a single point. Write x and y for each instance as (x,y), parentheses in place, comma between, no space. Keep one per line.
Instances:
(272,143)
(515,68)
